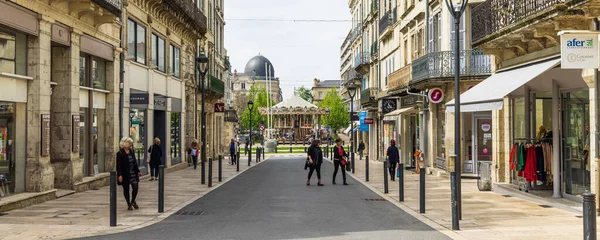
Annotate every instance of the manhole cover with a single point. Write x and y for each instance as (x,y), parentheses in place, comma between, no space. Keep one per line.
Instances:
(374,199)
(545,206)
(189,213)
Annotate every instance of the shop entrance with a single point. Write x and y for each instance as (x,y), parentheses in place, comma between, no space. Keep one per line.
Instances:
(137,132)
(482,144)
(160,131)
(575,140)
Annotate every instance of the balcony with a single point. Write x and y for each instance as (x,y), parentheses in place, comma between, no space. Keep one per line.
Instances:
(374,52)
(494,18)
(355,34)
(367,96)
(386,22)
(361,62)
(113,6)
(215,88)
(187,12)
(374,6)
(351,75)
(473,63)
(400,78)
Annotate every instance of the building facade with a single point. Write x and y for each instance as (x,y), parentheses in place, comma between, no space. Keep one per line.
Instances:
(257,71)
(321,88)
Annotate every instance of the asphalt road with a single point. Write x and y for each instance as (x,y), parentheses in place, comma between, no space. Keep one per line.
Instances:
(272,201)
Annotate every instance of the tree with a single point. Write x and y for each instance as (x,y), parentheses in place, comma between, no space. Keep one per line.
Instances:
(304,93)
(260,97)
(338,117)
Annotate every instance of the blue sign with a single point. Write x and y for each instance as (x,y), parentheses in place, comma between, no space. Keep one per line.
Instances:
(363,127)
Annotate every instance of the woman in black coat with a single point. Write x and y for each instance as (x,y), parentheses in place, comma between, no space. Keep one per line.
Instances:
(155,159)
(393,157)
(128,172)
(338,154)
(315,159)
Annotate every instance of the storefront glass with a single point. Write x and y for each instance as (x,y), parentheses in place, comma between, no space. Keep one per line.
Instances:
(137,132)
(13,52)
(519,118)
(576,140)
(440,128)
(83,133)
(98,141)
(175,138)
(7,156)
(389,134)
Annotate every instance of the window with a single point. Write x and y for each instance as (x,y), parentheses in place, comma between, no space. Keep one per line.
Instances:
(243,86)
(435,33)
(461,32)
(83,69)
(136,41)
(320,95)
(99,73)
(13,52)
(158,52)
(175,58)
(441,133)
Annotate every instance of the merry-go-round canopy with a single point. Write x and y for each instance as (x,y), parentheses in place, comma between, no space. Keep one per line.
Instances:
(295,105)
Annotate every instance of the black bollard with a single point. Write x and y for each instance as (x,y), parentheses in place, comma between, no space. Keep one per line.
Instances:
(367,168)
(589,216)
(275,149)
(249,157)
(113,198)
(263,153)
(304,148)
(237,161)
(455,223)
(203,171)
(385,177)
(220,168)
(422,190)
(401,182)
(290,149)
(161,188)
(210,168)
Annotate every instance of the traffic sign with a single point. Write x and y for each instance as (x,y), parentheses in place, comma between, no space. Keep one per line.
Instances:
(436,95)
(261,127)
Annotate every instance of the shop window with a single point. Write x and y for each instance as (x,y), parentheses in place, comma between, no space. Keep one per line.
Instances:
(82,133)
(83,76)
(7,157)
(175,61)
(441,133)
(158,52)
(99,73)
(519,118)
(13,52)
(175,138)
(136,41)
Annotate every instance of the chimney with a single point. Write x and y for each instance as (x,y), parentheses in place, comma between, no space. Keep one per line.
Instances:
(316,82)
(235,74)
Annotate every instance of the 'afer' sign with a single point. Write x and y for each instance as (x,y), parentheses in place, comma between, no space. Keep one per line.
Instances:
(579,49)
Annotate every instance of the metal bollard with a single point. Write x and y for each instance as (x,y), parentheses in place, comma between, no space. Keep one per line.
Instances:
(275,149)
(237,161)
(455,223)
(203,171)
(113,198)
(210,168)
(263,153)
(250,157)
(589,216)
(422,190)
(305,149)
(385,177)
(220,168)
(257,155)
(290,149)
(367,168)
(161,188)
(401,182)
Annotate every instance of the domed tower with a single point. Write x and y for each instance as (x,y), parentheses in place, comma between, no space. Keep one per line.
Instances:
(257,64)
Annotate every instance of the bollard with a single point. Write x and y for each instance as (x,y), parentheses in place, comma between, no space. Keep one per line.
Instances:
(113,198)
(327,151)
(401,182)
(203,172)
(263,153)
(237,161)
(250,157)
(210,168)
(589,216)
(257,155)
(161,188)
(422,190)
(367,168)
(276,149)
(290,149)
(305,149)
(220,168)
(385,177)
(455,223)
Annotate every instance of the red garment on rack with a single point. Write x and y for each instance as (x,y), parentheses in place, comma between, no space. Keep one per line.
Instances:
(530,165)
(512,156)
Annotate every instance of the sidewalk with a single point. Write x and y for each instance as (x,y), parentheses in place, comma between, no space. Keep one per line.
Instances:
(87,213)
(486,215)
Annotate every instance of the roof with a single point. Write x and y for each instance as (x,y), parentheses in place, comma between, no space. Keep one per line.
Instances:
(295,102)
(329,84)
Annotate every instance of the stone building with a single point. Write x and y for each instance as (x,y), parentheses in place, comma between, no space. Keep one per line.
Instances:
(321,88)
(59,100)
(256,72)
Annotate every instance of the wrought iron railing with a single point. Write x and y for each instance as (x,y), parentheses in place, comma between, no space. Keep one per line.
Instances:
(351,75)
(361,59)
(113,6)
(213,85)
(492,16)
(441,65)
(388,19)
(355,33)
(374,6)
(367,95)
(191,11)
(400,77)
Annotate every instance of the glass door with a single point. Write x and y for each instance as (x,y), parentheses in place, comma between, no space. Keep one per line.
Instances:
(483,141)
(575,142)
(137,132)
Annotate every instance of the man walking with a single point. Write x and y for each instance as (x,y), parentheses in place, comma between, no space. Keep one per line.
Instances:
(232,148)
(361,148)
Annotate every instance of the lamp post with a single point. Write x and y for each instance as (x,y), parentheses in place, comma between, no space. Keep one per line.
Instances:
(351,94)
(250,107)
(202,67)
(456,13)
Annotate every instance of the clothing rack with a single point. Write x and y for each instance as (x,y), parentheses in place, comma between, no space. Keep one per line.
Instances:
(521,181)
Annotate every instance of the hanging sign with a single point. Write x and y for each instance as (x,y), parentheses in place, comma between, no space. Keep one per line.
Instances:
(219,107)
(75,130)
(363,126)
(578,49)
(369,121)
(45,135)
(436,95)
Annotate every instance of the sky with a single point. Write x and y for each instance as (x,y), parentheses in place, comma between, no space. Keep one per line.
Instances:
(299,51)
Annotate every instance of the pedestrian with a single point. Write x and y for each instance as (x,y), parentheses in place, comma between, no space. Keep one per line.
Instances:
(232,148)
(194,153)
(128,172)
(246,147)
(393,158)
(339,160)
(155,159)
(361,148)
(315,159)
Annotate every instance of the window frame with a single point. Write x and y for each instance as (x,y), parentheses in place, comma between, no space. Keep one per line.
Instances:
(136,27)
(175,67)
(17,52)
(155,49)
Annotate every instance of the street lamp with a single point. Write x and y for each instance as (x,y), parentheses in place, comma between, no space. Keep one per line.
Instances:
(456,13)
(351,94)
(250,107)
(202,67)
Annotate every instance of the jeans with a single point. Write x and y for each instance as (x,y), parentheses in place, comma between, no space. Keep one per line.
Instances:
(313,168)
(126,192)
(195,161)
(336,165)
(361,154)
(153,171)
(232,157)
(392,169)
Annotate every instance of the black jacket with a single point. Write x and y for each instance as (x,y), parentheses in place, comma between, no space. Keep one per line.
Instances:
(316,154)
(155,155)
(361,146)
(393,154)
(123,164)
(336,153)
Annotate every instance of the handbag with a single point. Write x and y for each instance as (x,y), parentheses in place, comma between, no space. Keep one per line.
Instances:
(348,165)
(398,172)
(343,162)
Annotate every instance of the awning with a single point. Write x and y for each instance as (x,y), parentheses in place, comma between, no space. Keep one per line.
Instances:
(356,128)
(489,94)
(347,130)
(392,116)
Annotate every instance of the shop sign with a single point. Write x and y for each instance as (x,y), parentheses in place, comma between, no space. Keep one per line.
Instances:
(162,102)
(355,116)
(369,121)
(75,131)
(388,105)
(436,95)
(579,49)
(219,107)
(45,134)
(486,127)
(138,98)
(409,101)
(363,127)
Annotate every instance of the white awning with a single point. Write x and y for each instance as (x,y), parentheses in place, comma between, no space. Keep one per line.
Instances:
(392,116)
(489,94)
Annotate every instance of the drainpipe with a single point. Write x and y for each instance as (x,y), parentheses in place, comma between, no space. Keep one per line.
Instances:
(596,118)
(122,75)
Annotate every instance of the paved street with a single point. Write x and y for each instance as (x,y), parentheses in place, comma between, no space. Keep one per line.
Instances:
(271,201)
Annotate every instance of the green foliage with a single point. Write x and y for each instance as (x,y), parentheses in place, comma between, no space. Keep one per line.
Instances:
(260,97)
(338,117)
(304,93)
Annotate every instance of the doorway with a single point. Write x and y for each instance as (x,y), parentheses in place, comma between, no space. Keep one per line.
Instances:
(160,131)
(576,142)
(482,149)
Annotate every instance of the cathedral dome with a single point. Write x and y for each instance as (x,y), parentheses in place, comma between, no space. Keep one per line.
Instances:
(257,64)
